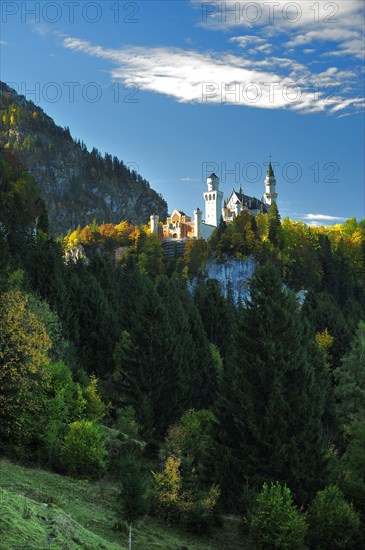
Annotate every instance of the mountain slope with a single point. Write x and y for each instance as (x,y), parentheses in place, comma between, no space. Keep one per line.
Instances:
(77,186)
(41,509)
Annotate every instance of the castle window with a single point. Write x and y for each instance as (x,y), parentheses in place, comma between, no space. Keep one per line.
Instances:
(210,197)
(213,196)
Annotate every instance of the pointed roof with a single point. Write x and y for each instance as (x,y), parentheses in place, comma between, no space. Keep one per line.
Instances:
(251,203)
(270,171)
(213,175)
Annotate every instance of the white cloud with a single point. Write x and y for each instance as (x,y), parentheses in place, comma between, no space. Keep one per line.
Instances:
(191,76)
(3,42)
(340,22)
(242,41)
(324,217)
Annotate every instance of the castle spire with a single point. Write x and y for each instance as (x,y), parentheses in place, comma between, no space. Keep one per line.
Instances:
(270,195)
(270,171)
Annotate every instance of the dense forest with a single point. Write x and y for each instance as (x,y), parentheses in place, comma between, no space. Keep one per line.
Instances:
(139,370)
(77,186)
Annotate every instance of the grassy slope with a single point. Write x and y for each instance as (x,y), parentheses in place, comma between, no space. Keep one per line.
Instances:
(80,515)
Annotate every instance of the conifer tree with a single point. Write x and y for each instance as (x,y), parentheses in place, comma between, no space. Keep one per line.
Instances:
(215,314)
(273,219)
(350,378)
(145,373)
(132,497)
(269,416)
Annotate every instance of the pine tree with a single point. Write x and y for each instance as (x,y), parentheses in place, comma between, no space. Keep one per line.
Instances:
(132,497)
(273,219)
(269,416)
(145,373)
(215,314)
(350,378)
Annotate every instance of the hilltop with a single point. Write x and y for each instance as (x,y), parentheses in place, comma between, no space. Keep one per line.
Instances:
(77,186)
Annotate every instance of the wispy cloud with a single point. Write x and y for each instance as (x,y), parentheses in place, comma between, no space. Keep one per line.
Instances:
(339,22)
(324,31)
(206,77)
(323,217)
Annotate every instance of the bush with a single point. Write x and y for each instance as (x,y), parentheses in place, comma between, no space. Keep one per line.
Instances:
(332,521)
(275,521)
(197,510)
(83,450)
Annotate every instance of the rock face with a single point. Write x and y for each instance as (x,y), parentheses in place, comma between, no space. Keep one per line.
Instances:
(234,273)
(77,186)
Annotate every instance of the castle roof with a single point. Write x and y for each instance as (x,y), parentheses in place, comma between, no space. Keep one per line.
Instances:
(270,171)
(252,203)
(213,175)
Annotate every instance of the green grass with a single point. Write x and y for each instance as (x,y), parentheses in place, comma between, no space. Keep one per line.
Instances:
(25,523)
(40,509)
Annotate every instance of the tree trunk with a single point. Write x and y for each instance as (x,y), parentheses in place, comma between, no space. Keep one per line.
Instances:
(130,537)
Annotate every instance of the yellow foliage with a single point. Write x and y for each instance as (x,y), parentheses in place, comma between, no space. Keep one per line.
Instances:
(73,239)
(34,115)
(124,231)
(170,481)
(24,344)
(324,339)
(95,408)
(12,120)
(181,506)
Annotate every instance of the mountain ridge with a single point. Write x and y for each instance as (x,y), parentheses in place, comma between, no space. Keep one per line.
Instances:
(77,186)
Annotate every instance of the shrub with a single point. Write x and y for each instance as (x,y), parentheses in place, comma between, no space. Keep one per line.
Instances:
(275,521)
(95,408)
(332,521)
(195,509)
(83,450)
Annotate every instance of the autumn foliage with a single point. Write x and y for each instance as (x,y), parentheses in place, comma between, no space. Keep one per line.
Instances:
(122,234)
(24,344)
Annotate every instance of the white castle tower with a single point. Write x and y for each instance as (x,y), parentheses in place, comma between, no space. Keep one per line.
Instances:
(154,224)
(198,224)
(270,185)
(213,201)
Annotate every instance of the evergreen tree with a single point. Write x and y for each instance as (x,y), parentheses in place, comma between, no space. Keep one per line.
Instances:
(132,497)
(273,219)
(215,314)
(145,373)
(323,312)
(350,378)
(270,413)
(97,323)
(202,363)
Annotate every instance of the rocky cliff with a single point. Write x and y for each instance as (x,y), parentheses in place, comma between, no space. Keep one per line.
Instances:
(77,186)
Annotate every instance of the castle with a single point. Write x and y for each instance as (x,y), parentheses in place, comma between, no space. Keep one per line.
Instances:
(181,227)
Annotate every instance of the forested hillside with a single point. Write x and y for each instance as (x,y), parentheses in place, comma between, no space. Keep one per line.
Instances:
(77,186)
(141,374)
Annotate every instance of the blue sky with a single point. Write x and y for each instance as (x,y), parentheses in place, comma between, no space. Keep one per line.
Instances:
(178,89)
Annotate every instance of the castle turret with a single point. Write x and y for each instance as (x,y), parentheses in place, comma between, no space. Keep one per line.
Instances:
(213,201)
(154,224)
(198,224)
(213,182)
(270,186)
